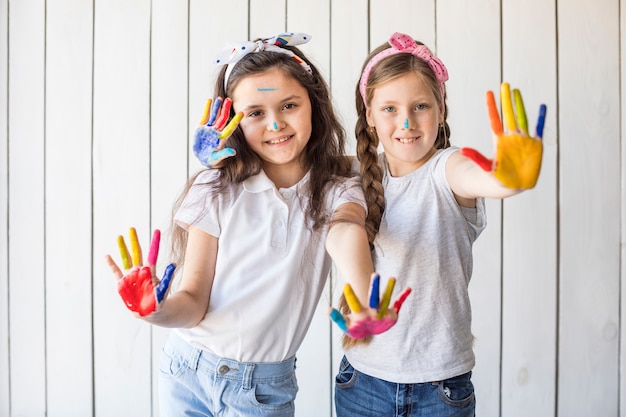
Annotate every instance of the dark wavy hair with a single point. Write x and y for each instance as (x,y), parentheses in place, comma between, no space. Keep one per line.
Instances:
(324,154)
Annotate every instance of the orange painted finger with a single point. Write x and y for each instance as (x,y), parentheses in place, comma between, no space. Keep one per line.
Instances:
(135,248)
(124,253)
(205,114)
(507,107)
(494,115)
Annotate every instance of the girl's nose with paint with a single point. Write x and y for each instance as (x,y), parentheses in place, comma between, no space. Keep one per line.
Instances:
(406,123)
(274,126)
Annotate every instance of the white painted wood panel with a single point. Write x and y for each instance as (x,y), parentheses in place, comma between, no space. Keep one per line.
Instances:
(4,208)
(122,345)
(26,118)
(169,133)
(622,352)
(69,40)
(266,19)
(589,177)
(530,222)
(468,42)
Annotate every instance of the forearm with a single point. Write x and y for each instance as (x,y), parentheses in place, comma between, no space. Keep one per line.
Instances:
(180,309)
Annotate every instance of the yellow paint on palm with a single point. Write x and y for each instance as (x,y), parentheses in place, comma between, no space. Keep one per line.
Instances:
(519,161)
(135,248)
(123,252)
(520,111)
(205,114)
(507,107)
(351,298)
(384,303)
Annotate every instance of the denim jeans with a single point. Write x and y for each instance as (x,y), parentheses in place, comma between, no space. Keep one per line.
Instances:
(195,382)
(361,395)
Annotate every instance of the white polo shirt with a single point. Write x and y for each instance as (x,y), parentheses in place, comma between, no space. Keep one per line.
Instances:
(270,270)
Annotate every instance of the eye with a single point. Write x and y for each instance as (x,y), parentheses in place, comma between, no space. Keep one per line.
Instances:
(289,106)
(389,109)
(255,113)
(422,106)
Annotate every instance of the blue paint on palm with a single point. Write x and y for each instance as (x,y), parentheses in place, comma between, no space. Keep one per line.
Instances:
(206,140)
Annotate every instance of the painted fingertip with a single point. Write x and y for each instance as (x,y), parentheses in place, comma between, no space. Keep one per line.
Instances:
(541,120)
(215,111)
(135,248)
(398,304)
(494,115)
(164,284)
(351,298)
(154,247)
(338,319)
(520,111)
(121,244)
(375,294)
(507,107)
(384,304)
(205,113)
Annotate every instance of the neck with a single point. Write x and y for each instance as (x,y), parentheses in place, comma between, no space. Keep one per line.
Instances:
(284,176)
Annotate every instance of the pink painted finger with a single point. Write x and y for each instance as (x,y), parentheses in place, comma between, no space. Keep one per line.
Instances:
(230,128)
(205,113)
(398,304)
(494,115)
(154,248)
(126,264)
(135,248)
(224,113)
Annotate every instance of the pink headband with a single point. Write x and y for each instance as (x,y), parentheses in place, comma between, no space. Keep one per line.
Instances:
(404,44)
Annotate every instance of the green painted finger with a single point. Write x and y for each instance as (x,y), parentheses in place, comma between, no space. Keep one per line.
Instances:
(522,121)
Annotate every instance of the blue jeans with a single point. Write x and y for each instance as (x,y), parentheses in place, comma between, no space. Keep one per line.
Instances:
(361,395)
(195,382)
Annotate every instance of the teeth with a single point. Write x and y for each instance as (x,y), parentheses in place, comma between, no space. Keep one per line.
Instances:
(407,140)
(276,141)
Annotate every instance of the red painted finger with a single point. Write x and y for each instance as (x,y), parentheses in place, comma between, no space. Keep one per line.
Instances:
(224,113)
(482,161)
(398,303)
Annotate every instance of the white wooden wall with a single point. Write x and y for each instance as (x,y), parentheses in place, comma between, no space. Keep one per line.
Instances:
(98,100)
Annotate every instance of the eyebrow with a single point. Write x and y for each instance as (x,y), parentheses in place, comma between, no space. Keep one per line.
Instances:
(282,100)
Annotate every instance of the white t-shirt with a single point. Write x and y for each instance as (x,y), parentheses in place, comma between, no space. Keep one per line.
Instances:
(270,270)
(425,241)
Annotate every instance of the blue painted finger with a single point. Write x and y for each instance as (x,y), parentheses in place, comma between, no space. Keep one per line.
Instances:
(221,154)
(541,120)
(164,284)
(375,294)
(215,110)
(337,317)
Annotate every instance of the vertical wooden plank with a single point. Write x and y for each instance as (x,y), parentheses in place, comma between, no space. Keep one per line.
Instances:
(5,405)
(622,353)
(213,25)
(413,17)
(314,356)
(268,18)
(69,40)
(530,222)
(169,132)
(121,187)
(474,67)
(589,154)
(26,208)
(349,45)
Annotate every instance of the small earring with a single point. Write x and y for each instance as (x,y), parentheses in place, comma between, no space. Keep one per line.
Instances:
(372,129)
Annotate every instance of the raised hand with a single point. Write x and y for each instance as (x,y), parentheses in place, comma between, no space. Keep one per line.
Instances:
(517,159)
(138,286)
(208,144)
(376,319)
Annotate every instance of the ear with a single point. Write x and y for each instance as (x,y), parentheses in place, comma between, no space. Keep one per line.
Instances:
(368,117)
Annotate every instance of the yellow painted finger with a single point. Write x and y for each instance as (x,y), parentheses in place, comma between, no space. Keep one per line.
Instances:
(353,302)
(135,248)
(520,111)
(231,126)
(494,114)
(507,107)
(205,114)
(384,304)
(124,252)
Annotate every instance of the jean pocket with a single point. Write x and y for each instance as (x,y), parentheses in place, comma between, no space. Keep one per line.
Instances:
(277,394)
(170,363)
(457,391)
(346,377)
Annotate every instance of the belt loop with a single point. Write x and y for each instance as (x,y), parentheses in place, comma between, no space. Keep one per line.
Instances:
(194,358)
(247,376)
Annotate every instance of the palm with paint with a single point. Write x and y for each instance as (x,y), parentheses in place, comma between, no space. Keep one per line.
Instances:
(517,160)
(378,318)
(211,135)
(140,289)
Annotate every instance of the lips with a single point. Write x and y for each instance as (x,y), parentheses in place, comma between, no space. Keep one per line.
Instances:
(407,140)
(278,140)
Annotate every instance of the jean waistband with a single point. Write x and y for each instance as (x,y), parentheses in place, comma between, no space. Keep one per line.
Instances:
(248,372)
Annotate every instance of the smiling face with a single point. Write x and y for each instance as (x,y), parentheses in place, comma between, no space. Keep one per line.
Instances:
(406,116)
(276,121)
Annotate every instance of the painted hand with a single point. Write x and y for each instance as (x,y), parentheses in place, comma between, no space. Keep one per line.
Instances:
(376,319)
(212,134)
(138,286)
(517,159)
